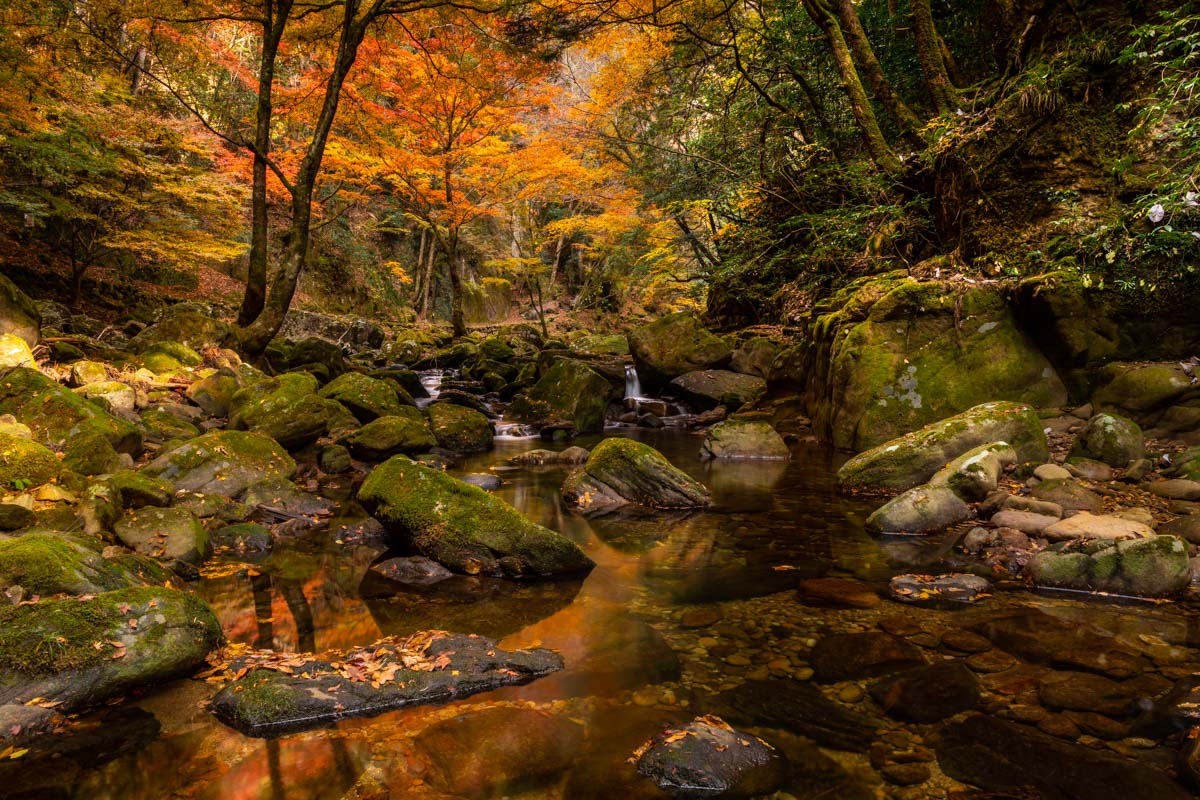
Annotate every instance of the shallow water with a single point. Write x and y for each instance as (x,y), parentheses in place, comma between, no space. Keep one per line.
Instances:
(633,664)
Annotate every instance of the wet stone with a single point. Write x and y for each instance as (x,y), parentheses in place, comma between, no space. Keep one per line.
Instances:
(1044,639)
(928,694)
(965,641)
(700,617)
(413,570)
(707,758)
(906,774)
(934,589)
(849,656)
(1058,726)
(837,592)
(992,661)
(1083,691)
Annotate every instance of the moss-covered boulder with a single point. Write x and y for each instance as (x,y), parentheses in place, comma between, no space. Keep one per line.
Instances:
(286,408)
(136,489)
(18,314)
(890,354)
(976,473)
(85,372)
(163,357)
(243,537)
(600,344)
(621,473)
(15,352)
(47,563)
(708,388)
(91,454)
(367,398)
(1153,567)
(163,426)
(316,355)
(570,391)
(1111,439)
(463,527)
(922,509)
(672,346)
(756,357)
(188,328)
(1142,391)
(913,459)
(48,649)
(388,436)
(738,438)
(113,396)
(280,495)
(171,535)
(462,430)
(222,463)
(55,414)
(26,464)
(215,392)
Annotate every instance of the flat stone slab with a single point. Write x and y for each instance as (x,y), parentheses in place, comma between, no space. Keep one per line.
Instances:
(284,692)
(1096,526)
(1024,521)
(953,587)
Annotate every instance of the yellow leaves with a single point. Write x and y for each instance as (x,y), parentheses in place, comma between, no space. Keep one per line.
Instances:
(12,753)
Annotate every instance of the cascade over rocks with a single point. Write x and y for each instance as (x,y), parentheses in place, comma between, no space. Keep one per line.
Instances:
(622,472)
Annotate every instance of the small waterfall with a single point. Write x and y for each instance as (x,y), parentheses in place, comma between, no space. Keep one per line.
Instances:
(432,381)
(633,387)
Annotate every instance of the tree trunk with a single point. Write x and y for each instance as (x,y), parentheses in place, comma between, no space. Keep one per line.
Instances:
(860,106)
(929,53)
(864,55)
(427,296)
(457,319)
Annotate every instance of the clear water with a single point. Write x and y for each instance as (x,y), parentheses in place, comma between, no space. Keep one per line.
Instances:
(632,665)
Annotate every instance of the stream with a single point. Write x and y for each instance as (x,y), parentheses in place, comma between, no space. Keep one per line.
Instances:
(678,608)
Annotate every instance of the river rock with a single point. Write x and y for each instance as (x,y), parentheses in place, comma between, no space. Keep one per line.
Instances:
(285,408)
(851,656)
(428,667)
(1069,496)
(923,509)
(797,707)
(1016,502)
(1024,521)
(215,392)
(279,496)
(19,315)
(1176,489)
(25,464)
(15,352)
(222,463)
(171,535)
(570,391)
(938,589)
(55,414)
(463,527)
(707,758)
(541,458)
(189,328)
(1142,391)
(928,694)
(412,569)
(672,346)
(163,358)
(244,537)
(1110,439)
(49,563)
(837,592)
(621,472)
(756,357)
(351,332)
(1007,757)
(1083,691)
(113,396)
(484,480)
(1096,526)
(915,457)
(1187,527)
(385,437)
(1152,567)
(1045,639)
(1089,469)
(459,429)
(162,634)
(709,388)
(367,398)
(736,438)
(976,473)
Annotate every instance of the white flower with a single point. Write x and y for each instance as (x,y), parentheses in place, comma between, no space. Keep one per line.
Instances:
(1157,212)
(1189,199)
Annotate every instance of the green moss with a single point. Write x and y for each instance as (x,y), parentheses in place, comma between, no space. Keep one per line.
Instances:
(91,454)
(25,464)
(460,429)
(164,357)
(367,398)
(569,391)
(389,436)
(266,698)
(56,414)
(673,345)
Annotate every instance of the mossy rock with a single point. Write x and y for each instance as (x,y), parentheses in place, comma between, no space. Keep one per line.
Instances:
(113,396)
(334,459)
(922,509)
(244,537)
(165,357)
(47,649)
(923,351)
(459,429)
(188,328)
(91,454)
(672,346)
(602,344)
(163,426)
(912,459)
(50,563)
(1142,391)
(496,349)
(85,372)
(463,527)
(757,357)
(25,464)
(315,350)
(736,438)
(1068,494)
(622,472)
(976,473)
(285,408)
(18,314)
(1111,439)
(367,398)
(388,436)
(222,463)
(708,388)
(15,352)
(1153,567)
(172,535)
(215,392)
(280,494)
(140,489)
(56,414)
(569,391)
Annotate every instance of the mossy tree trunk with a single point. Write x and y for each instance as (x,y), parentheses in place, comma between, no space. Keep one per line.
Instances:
(929,53)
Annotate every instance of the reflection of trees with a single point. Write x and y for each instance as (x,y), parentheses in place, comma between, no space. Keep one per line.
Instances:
(293,595)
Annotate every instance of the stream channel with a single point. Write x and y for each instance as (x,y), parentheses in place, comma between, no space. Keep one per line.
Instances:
(678,609)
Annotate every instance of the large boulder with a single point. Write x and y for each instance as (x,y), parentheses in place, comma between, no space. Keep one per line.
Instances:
(914,458)
(1151,567)
(47,563)
(462,526)
(889,354)
(672,346)
(1144,393)
(172,535)
(145,635)
(976,473)
(286,408)
(569,391)
(55,414)
(389,436)
(739,438)
(709,388)
(922,509)
(18,314)
(222,463)
(352,332)
(462,430)
(1111,439)
(189,328)
(367,398)
(622,472)
(756,357)
(25,464)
